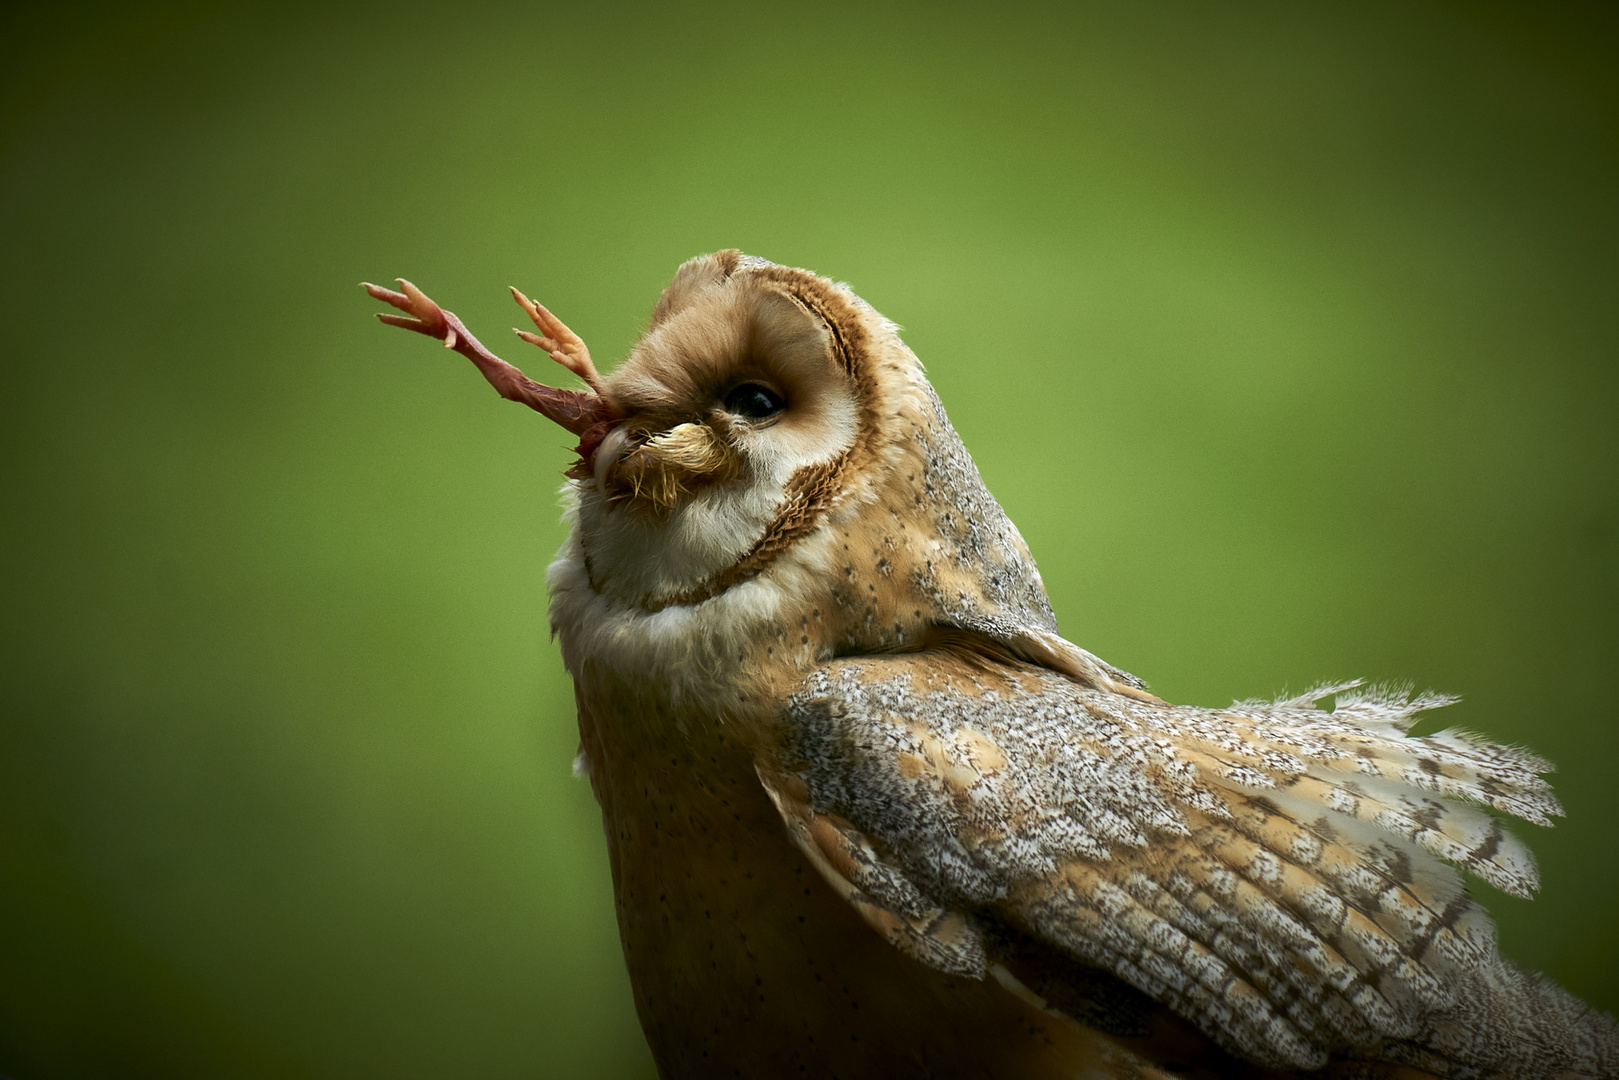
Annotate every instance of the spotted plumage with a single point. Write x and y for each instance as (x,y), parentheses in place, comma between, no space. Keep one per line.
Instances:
(870,815)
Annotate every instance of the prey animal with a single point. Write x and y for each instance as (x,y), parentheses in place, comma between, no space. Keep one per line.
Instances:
(870,815)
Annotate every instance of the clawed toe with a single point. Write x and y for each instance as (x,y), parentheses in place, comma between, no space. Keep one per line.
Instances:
(560,343)
(425,316)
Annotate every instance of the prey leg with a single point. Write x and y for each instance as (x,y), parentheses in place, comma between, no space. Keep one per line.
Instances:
(556,339)
(573,409)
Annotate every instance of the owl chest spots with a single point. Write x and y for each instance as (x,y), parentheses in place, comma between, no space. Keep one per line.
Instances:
(714,906)
(742,959)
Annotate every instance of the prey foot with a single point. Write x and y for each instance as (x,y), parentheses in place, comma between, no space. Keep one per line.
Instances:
(562,344)
(576,410)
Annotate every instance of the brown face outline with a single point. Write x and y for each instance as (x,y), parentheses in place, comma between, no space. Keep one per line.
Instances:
(659,430)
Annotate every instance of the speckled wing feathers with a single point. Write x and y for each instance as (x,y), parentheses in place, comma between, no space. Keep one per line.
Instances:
(1272,872)
(889,902)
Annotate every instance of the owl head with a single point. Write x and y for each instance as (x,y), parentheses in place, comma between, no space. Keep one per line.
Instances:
(770,452)
(767,417)
(748,410)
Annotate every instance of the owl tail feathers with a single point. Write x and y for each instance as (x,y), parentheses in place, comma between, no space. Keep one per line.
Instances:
(1511,1024)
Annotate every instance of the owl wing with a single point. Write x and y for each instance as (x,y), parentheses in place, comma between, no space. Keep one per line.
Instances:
(1275,873)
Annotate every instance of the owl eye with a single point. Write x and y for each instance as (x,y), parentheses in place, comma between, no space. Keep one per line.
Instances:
(755,401)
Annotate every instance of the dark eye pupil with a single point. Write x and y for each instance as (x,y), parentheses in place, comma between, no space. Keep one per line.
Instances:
(753,400)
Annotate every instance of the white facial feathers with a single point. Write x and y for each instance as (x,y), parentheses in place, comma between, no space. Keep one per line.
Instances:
(713,481)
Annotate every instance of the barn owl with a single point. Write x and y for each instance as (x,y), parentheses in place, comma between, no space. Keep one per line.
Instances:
(870,815)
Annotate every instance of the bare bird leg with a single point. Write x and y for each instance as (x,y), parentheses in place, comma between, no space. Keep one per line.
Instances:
(575,410)
(555,338)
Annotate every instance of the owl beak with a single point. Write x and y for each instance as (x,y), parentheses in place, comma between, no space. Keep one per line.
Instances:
(599,447)
(602,457)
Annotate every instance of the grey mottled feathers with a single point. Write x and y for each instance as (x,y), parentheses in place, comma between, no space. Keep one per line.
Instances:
(1275,873)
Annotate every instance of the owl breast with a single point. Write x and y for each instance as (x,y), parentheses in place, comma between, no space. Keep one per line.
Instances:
(742,961)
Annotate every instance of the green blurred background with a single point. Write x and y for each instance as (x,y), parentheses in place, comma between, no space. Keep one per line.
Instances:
(1287,334)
